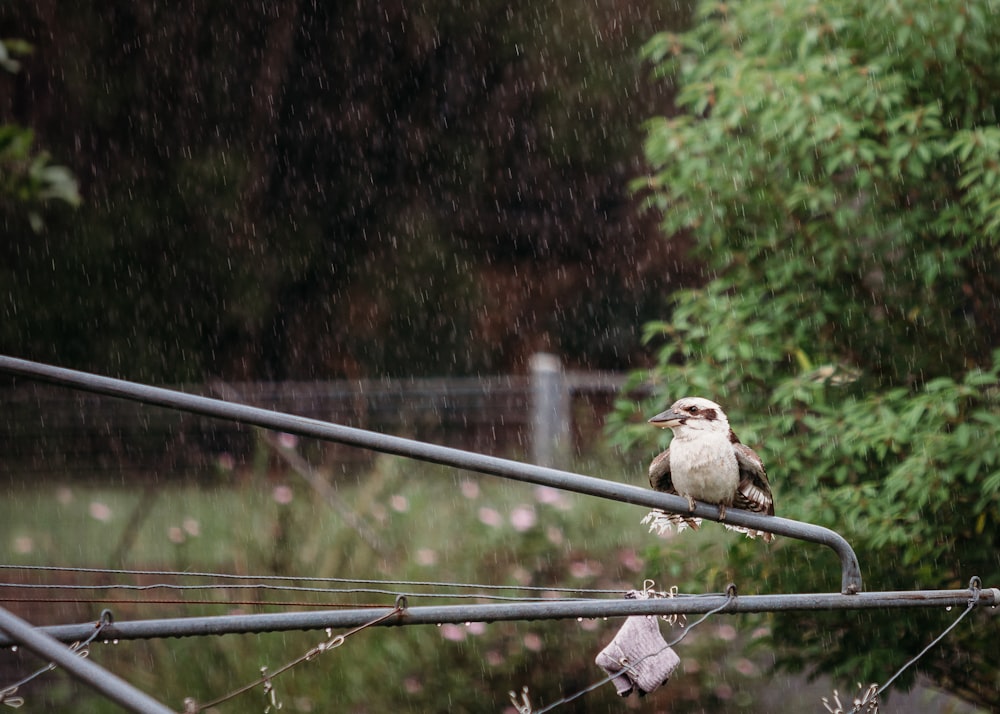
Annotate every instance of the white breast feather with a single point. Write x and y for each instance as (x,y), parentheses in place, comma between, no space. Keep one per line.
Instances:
(704,467)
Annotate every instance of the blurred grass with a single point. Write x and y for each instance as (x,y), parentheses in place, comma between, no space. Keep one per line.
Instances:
(433,524)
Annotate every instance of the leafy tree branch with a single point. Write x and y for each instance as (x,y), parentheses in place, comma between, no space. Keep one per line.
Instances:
(837,165)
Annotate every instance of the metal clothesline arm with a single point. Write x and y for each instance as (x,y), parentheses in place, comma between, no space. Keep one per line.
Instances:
(14,630)
(506,468)
(496,612)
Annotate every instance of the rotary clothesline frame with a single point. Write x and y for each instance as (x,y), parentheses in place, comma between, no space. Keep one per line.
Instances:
(447,456)
(45,641)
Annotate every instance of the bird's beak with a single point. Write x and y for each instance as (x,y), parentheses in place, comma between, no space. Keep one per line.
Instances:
(668,419)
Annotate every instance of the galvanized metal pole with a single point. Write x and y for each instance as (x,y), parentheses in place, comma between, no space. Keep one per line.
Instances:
(546,610)
(529,473)
(50,649)
(549,411)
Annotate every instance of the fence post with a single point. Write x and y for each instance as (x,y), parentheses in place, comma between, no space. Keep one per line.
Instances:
(549,411)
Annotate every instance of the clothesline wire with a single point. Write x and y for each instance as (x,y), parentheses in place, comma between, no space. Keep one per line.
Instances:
(313,579)
(267,677)
(975,586)
(284,588)
(269,583)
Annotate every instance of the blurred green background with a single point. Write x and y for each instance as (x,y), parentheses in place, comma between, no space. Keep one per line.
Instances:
(792,208)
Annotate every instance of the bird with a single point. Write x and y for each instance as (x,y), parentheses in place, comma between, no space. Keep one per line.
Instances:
(707,462)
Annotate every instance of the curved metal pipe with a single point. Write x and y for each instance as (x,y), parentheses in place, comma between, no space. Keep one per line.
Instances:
(409,448)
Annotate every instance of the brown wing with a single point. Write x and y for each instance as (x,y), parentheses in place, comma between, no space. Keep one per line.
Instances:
(660,480)
(754,491)
(659,473)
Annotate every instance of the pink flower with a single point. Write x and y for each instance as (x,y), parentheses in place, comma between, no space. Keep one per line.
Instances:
(452,632)
(630,560)
(490,517)
(533,642)
(520,575)
(426,556)
(584,568)
(476,628)
(282,495)
(175,534)
(726,632)
(551,497)
(470,489)
(523,518)
(100,511)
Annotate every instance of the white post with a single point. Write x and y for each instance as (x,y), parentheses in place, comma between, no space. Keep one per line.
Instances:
(549,411)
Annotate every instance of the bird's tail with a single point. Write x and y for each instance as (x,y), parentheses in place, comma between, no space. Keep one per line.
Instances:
(663,522)
(751,533)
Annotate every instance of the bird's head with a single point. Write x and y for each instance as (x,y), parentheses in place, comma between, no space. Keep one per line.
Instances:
(694,414)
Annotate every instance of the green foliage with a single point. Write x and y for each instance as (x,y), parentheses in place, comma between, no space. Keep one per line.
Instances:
(28,178)
(9,48)
(826,162)
(836,164)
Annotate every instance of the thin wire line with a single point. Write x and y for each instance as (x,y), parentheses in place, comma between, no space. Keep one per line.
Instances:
(80,648)
(973,601)
(329,644)
(362,581)
(730,596)
(290,588)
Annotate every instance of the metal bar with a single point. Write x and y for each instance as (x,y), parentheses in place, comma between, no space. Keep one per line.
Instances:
(556,609)
(51,649)
(529,473)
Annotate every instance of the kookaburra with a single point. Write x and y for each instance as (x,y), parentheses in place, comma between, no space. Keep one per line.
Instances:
(707,462)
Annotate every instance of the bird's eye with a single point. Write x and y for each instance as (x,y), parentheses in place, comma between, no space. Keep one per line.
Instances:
(693,409)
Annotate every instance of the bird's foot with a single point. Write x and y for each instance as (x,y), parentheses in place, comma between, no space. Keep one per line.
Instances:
(722,512)
(691,504)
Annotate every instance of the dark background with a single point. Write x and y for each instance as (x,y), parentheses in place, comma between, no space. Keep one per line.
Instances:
(307,190)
